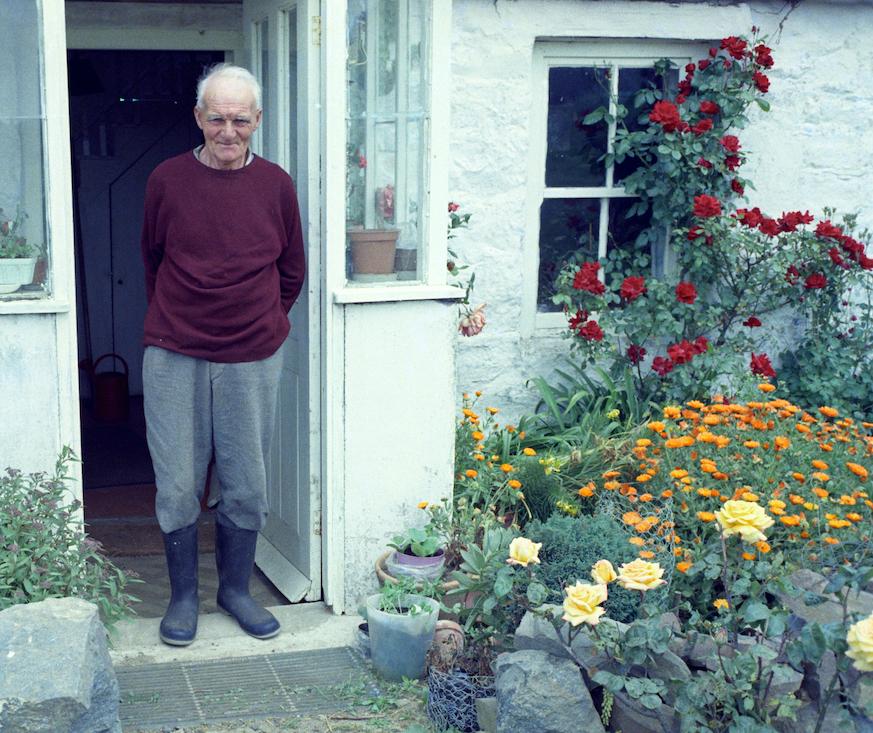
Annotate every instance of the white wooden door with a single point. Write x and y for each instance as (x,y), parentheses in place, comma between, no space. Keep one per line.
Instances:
(279,44)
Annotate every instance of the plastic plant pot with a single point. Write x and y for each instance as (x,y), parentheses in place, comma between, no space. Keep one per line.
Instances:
(400,564)
(399,642)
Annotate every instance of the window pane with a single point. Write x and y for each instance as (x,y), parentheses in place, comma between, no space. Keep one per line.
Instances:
(630,81)
(291,81)
(574,150)
(568,227)
(387,96)
(622,232)
(23,236)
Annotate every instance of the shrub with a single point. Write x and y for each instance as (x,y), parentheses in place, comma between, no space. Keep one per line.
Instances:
(44,552)
(571,546)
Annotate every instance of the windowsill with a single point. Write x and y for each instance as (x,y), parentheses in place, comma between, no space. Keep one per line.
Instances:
(392,292)
(23,303)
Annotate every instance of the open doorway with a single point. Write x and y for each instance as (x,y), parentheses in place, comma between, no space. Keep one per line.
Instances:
(129,110)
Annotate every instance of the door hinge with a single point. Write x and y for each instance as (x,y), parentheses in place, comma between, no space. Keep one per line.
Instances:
(316,30)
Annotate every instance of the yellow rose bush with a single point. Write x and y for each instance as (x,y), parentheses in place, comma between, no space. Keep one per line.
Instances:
(603,572)
(523,552)
(860,641)
(583,603)
(744,518)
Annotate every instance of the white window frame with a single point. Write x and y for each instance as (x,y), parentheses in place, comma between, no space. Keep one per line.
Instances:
(591,52)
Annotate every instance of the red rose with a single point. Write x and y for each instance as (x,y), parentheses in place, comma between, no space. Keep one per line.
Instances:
(633,287)
(635,353)
(737,187)
(686,293)
(762,56)
(815,281)
(661,366)
(768,226)
(665,114)
(731,143)
(789,221)
(578,319)
(702,64)
(826,229)
(694,233)
(761,366)
(732,162)
(586,278)
(791,275)
(752,322)
(750,217)
(453,206)
(680,99)
(709,108)
(704,163)
(690,68)
(836,257)
(866,262)
(704,125)
(682,353)
(684,88)
(591,331)
(761,82)
(852,247)
(736,47)
(701,344)
(706,206)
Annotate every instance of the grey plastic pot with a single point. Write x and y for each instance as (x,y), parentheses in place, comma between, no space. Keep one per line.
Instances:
(399,642)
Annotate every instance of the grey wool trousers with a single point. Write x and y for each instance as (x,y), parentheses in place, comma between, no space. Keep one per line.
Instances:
(196,409)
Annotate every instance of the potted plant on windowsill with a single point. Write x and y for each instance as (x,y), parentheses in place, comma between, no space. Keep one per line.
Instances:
(372,240)
(17,256)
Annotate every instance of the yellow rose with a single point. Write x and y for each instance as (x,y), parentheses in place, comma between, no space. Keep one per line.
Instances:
(603,572)
(745,518)
(640,575)
(523,552)
(582,604)
(860,640)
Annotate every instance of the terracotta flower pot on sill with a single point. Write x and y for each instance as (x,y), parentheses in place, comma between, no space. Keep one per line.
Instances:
(373,254)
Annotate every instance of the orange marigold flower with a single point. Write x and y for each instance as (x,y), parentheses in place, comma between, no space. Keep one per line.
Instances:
(681,442)
(514,483)
(820,465)
(587,491)
(529,451)
(656,426)
(611,474)
(752,444)
(781,442)
(847,500)
(855,517)
(646,554)
(666,494)
(611,485)
(631,518)
(479,457)
(748,556)
(826,447)
(766,387)
(720,603)
(801,428)
(477,435)
(821,476)
(820,492)
(646,497)
(671,412)
(790,520)
(830,540)
(749,496)
(858,470)
(643,477)
(706,516)
(637,541)
(468,412)
(763,546)
(643,442)
(696,404)
(506,467)
(684,566)
(798,477)
(471,473)
(828,411)
(678,473)
(711,420)
(720,476)
(839,523)
(422,505)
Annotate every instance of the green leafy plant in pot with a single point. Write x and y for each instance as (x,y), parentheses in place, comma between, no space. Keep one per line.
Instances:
(401,625)
(418,554)
(17,256)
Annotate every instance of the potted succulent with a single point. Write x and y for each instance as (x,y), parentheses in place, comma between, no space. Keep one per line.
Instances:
(17,256)
(401,625)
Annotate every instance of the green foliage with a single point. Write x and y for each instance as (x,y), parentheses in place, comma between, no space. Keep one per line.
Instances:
(44,552)
(13,244)
(543,490)
(404,596)
(571,546)
(418,541)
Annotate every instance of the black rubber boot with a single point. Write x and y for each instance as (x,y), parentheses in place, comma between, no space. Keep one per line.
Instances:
(235,558)
(179,625)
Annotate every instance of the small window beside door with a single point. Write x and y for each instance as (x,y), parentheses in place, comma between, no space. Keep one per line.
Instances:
(24,246)
(387,115)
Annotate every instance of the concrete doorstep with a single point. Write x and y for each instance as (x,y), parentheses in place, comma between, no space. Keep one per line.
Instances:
(305,627)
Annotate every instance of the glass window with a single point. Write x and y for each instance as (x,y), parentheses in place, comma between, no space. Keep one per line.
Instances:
(24,252)
(385,163)
(584,209)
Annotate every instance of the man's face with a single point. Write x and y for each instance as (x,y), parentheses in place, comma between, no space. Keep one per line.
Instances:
(228,120)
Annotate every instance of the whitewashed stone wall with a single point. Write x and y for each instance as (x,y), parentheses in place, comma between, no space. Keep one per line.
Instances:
(815,148)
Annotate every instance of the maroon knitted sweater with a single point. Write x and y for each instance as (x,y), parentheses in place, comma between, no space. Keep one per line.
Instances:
(223,253)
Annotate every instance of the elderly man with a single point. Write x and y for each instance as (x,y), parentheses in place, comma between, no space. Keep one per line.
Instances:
(223,251)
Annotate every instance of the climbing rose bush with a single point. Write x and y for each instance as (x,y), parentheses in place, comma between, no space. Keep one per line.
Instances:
(713,321)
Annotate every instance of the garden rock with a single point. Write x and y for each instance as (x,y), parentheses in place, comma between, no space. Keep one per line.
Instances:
(629,716)
(539,692)
(808,581)
(699,651)
(486,714)
(57,675)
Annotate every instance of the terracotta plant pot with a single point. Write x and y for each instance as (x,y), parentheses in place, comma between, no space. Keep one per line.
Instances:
(372,253)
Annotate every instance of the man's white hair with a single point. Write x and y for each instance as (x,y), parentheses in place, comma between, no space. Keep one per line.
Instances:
(227,71)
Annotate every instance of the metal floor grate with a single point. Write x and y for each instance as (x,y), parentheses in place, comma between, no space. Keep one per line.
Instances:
(181,693)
